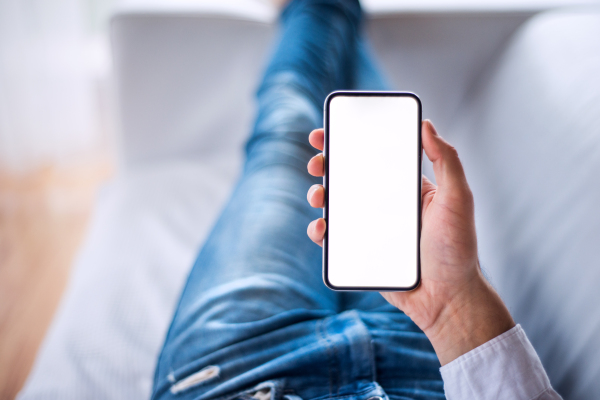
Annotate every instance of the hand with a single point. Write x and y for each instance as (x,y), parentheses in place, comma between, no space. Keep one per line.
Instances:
(454,305)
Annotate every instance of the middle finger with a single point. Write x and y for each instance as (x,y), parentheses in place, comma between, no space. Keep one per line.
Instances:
(316,196)
(316,165)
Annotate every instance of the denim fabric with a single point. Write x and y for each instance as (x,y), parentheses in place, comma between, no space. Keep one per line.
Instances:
(255,320)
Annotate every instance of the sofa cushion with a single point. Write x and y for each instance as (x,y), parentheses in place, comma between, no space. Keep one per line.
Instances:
(530,140)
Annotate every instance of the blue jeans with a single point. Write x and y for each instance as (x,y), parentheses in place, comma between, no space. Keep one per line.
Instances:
(255,319)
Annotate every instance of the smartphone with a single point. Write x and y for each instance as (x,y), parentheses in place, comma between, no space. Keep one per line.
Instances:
(373,191)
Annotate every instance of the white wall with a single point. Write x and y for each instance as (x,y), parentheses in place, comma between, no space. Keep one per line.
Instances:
(52,70)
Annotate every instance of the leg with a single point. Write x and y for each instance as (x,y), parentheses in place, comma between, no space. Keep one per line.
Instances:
(258,273)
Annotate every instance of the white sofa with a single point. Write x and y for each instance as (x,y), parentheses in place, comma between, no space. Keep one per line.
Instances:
(518,93)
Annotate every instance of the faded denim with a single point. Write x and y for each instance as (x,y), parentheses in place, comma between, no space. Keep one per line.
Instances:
(255,320)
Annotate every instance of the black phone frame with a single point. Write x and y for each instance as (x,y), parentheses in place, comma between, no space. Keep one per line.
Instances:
(356,93)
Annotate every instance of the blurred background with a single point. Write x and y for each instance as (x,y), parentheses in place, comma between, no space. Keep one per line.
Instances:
(56,147)
(63,112)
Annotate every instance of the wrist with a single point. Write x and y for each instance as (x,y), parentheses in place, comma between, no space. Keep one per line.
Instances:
(473,317)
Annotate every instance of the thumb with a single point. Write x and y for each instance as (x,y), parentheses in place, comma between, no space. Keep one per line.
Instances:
(449,173)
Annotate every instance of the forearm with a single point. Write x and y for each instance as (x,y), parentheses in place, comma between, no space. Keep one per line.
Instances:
(469,320)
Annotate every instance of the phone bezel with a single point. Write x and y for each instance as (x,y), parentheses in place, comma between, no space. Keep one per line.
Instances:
(326,150)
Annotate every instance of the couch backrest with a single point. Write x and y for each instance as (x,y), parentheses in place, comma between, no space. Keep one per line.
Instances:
(186,80)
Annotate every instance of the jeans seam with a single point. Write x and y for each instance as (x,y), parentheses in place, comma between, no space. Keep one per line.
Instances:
(372,357)
(322,335)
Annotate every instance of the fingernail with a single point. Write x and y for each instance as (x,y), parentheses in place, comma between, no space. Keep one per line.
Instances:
(317,225)
(311,191)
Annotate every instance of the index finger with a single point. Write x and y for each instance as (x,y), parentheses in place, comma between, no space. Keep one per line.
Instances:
(317,138)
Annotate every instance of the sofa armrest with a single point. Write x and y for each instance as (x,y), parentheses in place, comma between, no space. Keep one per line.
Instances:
(530,142)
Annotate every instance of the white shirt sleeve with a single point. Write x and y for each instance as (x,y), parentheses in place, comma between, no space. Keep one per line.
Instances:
(505,368)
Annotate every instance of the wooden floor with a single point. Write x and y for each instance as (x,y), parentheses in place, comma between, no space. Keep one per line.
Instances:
(43,216)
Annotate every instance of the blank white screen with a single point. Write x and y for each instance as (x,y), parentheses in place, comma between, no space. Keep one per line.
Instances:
(372,191)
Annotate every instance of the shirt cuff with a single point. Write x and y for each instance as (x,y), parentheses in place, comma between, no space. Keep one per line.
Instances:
(506,367)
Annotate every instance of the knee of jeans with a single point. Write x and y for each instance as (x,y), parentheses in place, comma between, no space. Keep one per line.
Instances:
(286,115)
(286,105)
(264,154)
